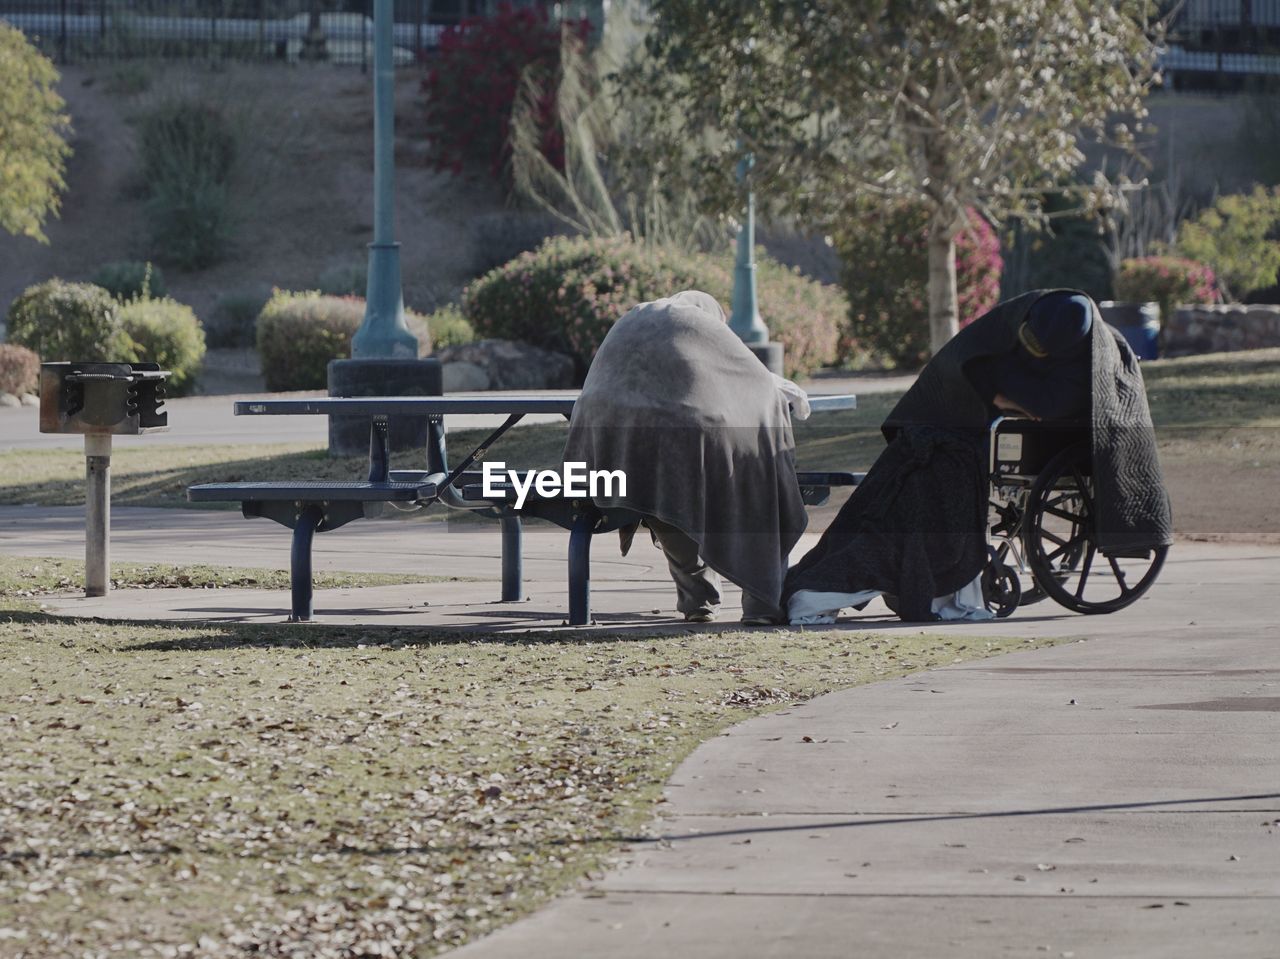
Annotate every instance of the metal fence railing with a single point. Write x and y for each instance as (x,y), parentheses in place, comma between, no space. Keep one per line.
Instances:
(1221,45)
(288,30)
(1234,26)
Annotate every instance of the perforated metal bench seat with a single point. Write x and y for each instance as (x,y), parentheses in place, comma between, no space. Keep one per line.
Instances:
(311,491)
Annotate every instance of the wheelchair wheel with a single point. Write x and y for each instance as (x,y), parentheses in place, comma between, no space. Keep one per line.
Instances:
(1001,588)
(1058,539)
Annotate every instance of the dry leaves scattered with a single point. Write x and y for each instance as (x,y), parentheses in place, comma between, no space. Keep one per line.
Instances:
(289,792)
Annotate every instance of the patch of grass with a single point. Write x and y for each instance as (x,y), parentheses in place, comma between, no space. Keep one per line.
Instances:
(29,577)
(1195,402)
(349,791)
(159,475)
(1238,390)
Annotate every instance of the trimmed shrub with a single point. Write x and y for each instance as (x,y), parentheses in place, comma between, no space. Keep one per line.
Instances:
(1237,238)
(233,320)
(886,276)
(187,152)
(1166,280)
(802,314)
(130,279)
(448,327)
(19,369)
(166,332)
(568,293)
(299,333)
(69,321)
(475,79)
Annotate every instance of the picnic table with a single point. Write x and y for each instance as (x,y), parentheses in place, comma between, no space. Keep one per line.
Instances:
(311,506)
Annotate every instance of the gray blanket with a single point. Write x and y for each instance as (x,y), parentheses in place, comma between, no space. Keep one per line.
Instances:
(675,400)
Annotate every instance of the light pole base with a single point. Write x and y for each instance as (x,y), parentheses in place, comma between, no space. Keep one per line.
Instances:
(349,435)
(770,354)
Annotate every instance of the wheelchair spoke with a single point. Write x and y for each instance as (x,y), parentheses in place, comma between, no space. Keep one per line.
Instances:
(1069,549)
(1062,514)
(1083,486)
(1084,571)
(1054,538)
(1119,574)
(1062,498)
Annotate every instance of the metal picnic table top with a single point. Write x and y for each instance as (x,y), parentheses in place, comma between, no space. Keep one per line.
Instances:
(438,405)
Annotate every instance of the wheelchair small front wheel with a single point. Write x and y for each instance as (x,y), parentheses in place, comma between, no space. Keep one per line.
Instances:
(1001,588)
(1058,536)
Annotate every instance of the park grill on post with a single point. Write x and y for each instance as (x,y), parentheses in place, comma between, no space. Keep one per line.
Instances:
(100,400)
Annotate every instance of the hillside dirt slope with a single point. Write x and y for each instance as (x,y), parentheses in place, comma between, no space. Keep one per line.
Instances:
(303,185)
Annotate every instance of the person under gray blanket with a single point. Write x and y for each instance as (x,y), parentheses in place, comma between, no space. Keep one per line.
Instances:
(702,431)
(916,528)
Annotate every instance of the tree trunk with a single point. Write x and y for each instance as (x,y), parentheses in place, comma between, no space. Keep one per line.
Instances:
(943,307)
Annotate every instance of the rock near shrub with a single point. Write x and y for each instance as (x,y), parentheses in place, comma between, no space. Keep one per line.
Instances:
(504,365)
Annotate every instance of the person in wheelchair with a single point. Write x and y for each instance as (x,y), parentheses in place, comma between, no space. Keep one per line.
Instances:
(702,431)
(915,529)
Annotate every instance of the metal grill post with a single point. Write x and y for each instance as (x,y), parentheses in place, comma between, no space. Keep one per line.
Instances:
(97,519)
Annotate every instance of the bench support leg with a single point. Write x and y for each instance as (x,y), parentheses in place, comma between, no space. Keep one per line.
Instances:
(512,560)
(300,563)
(580,569)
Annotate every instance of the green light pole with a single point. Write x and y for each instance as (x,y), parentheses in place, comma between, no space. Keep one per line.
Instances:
(384,354)
(383,333)
(744,318)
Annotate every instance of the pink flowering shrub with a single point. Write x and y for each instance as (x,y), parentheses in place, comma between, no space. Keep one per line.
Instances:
(1167,280)
(475,79)
(885,274)
(567,294)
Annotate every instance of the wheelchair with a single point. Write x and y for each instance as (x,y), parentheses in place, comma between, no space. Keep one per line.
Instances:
(1041,533)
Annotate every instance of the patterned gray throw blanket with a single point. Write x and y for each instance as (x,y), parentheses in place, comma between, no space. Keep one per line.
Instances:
(916,527)
(1133,507)
(675,400)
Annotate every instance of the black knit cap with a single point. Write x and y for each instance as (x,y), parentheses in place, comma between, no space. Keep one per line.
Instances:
(1057,326)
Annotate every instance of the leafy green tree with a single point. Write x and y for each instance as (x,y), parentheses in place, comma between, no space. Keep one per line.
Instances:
(946,103)
(33,150)
(1239,236)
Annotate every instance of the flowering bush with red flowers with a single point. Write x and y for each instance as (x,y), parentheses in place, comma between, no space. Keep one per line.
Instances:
(475,81)
(1167,280)
(568,293)
(885,272)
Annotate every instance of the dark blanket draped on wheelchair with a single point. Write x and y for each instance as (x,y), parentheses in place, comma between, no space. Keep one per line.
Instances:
(916,527)
(698,424)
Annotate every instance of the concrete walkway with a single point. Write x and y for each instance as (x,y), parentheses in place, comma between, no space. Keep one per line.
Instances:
(1117,797)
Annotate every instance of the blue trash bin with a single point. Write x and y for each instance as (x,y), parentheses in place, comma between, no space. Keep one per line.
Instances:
(1138,323)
